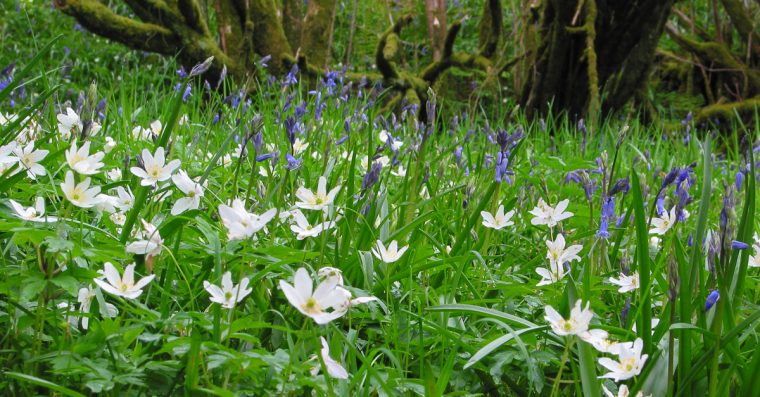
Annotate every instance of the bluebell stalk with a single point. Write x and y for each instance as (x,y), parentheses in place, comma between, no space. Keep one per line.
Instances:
(625,311)
(712,298)
(584,133)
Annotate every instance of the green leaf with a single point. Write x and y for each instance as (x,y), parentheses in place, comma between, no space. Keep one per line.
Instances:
(642,259)
(43,383)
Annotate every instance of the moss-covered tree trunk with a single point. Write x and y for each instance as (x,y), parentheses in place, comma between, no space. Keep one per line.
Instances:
(592,53)
(318,25)
(246,29)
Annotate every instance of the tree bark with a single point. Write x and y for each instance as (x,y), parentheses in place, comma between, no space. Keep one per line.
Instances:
(625,36)
(316,32)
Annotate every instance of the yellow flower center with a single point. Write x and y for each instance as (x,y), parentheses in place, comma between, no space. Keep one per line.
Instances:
(311,306)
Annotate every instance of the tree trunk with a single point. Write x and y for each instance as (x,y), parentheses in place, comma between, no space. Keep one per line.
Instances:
(247,28)
(292,21)
(316,32)
(575,58)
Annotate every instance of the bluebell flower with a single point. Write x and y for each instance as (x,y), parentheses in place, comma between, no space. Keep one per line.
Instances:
(216,118)
(263,62)
(187,92)
(738,245)
(621,185)
(371,177)
(739,180)
(608,214)
(291,78)
(293,163)
(341,140)
(201,67)
(457,154)
(502,161)
(711,299)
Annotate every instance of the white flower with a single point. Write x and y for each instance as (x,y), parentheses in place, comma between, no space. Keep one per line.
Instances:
(240,223)
(228,294)
(122,286)
(114,174)
(140,133)
(106,203)
(599,339)
(554,273)
(626,283)
(328,271)
(558,254)
(662,224)
(81,161)
(28,159)
(498,221)
(156,127)
(118,218)
(110,144)
(389,255)
(365,162)
(155,168)
(629,364)
(68,123)
(622,392)
(192,190)
(151,246)
(348,302)
(299,146)
(544,214)
(395,143)
(334,368)
(34,214)
(754,260)
(399,171)
(81,194)
(322,200)
(312,302)
(577,323)
(84,297)
(303,229)
(95,127)
(125,199)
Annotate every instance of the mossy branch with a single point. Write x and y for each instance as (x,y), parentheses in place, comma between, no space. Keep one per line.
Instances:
(718,53)
(194,17)
(384,64)
(103,21)
(727,111)
(743,23)
(491,28)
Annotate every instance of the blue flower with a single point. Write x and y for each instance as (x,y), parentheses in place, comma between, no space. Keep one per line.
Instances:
(738,245)
(711,299)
